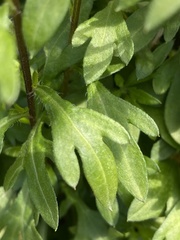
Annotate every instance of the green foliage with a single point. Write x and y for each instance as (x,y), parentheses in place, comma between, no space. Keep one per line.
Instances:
(90,147)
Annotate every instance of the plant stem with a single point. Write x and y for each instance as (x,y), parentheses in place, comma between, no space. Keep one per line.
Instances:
(74,24)
(75,18)
(24,61)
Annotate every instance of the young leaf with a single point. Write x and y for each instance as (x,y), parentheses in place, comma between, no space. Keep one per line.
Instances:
(164,9)
(40,21)
(172,113)
(108,33)
(9,79)
(83,129)
(39,184)
(170,229)
(135,24)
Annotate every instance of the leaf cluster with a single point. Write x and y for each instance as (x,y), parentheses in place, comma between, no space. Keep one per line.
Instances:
(101,160)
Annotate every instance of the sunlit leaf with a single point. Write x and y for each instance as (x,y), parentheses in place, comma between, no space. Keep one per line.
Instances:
(9,77)
(83,129)
(170,229)
(112,35)
(131,165)
(41,20)
(164,9)
(121,111)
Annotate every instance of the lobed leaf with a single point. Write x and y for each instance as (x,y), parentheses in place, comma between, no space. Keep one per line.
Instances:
(108,33)
(83,130)
(164,9)
(41,20)
(132,171)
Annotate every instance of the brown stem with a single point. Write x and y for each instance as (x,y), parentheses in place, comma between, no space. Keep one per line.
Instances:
(75,18)
(24,61)
(74,24)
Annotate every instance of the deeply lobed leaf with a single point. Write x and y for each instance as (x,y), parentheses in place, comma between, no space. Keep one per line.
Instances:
(83,130)
(109,35)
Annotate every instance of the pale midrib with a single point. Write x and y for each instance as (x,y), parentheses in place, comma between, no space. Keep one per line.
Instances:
(81,135)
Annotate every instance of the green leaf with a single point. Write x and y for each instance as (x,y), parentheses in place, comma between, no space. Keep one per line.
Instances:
(132,169)
(144,64)
(54,48)
(131,165)
(172,109)
(90,225)
(108,33)
(170,229)
(160,185)
(41,20)
(162,52)
(83,129)
(158,115)
(102,101)
(161,150)
(16,219)
(164,9)
(124,4)
(165,74)
(110,215)
(135,24)
(14,171)
(9,77)
(171,27)
(143,97)
(6,123)
(39,184)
